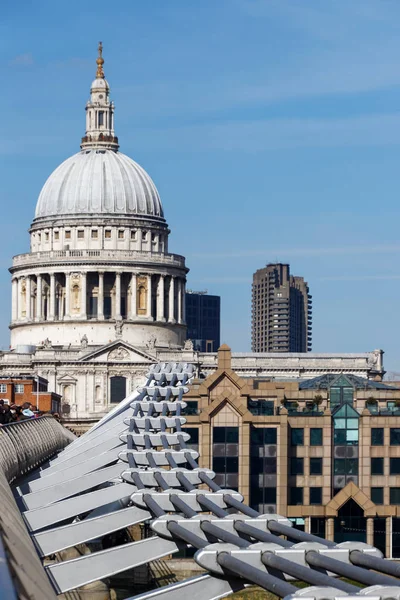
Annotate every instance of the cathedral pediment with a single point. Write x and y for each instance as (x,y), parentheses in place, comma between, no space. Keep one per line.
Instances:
(117,352)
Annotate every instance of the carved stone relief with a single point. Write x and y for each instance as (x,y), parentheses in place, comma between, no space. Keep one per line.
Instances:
(119,354)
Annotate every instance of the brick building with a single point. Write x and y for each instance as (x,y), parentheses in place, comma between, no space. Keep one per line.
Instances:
(324,451)
(21,389)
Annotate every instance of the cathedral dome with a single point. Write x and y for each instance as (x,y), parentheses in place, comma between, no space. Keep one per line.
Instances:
(99,181)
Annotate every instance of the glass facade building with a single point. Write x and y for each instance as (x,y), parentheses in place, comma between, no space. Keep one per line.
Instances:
(203,319)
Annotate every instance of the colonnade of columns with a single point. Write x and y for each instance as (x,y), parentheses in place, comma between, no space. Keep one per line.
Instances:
(98,295)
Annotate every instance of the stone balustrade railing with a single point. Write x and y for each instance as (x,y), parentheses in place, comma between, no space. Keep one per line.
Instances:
(79,256)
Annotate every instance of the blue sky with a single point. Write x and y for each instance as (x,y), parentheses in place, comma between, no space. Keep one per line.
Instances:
(271,129)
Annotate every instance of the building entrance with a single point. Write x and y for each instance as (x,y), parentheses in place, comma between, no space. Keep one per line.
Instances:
(350,524)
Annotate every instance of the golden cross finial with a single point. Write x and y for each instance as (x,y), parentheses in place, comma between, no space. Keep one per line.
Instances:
(100,63)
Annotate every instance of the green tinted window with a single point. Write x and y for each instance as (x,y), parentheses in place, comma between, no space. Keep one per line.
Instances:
(395,495)
(315,466)
(295,495)
(377,436)
(316,495)
(394,436)
(377,466)
(395,466)
(297,436)
(316,436)
(377,495)
(297,466)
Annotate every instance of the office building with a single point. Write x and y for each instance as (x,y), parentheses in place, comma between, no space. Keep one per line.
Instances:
(325,451)
(281,311)
(203,316)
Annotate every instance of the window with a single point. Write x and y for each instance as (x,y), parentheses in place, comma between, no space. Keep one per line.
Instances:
(315,466)
(377,436)
(297,436)
(101,118)
(117,389)
(67,235)
(295,495)
(81,234)
(191,408)
(394,495)
(395,466)
(56,235)
(133,234)
(345,466)
(94,234)
(315,495)
(316,436)
(226,456)
(107,234)
(193,443)
(19,388)
(3,388)
(297,466)
(377,466)
(121,234)
(262,436)
(260,407)
(263,468)
(377,495)
(394,436)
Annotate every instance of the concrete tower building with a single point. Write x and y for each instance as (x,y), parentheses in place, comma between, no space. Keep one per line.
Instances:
(281,311)
(99,259)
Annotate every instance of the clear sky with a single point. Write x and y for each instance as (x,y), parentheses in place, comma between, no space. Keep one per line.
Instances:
(270,127)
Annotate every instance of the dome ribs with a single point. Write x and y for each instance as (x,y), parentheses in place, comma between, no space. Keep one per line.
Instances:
(96,182)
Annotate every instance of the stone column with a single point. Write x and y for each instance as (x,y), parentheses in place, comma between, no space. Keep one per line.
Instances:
(100,297)
(67,296)
(19,303)
(84,295)
(307,524)
(160,298)
(388,530)
(171,301)
(149,297)
(14,299)
(28,297)
(370,531)
(179,282)
(139,239)
(117,295)
(330,529)
(39,291)
(183,301)
(133,308)
(52,297)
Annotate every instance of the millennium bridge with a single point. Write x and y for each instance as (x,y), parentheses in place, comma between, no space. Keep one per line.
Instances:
(135,466)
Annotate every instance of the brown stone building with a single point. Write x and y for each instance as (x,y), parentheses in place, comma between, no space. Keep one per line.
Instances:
(281,309)
(325,451)
(18,390)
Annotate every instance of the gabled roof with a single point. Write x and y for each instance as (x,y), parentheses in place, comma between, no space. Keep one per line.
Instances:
(323,382)
(141,354)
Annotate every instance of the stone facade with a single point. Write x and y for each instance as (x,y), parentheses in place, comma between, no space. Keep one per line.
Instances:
(287,447)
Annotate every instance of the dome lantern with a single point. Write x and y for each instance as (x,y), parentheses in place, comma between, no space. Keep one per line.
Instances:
(100,112)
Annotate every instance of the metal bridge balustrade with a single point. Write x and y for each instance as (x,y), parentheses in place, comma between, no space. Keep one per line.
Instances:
(134,466)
